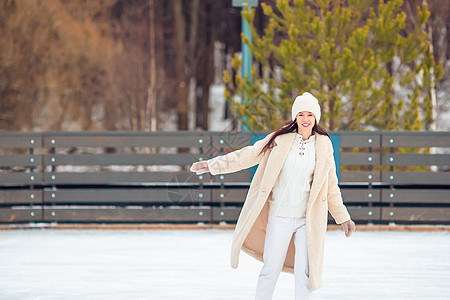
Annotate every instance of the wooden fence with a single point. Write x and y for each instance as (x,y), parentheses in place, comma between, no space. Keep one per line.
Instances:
(144,177)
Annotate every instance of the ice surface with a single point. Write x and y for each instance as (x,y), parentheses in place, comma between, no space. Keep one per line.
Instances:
(194,264)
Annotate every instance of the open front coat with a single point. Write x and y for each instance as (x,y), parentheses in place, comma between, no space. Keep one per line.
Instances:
(250,231)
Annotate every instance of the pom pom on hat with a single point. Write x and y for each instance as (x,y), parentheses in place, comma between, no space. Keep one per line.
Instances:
(306,102)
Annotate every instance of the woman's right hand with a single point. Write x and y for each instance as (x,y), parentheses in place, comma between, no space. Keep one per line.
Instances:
(199,167)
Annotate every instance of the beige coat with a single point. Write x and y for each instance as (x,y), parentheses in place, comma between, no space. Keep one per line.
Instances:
(325,195)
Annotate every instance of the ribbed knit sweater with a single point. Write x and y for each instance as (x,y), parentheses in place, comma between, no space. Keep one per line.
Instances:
(291,190)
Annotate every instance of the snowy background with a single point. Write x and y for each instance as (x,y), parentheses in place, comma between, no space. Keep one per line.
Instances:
(194,264)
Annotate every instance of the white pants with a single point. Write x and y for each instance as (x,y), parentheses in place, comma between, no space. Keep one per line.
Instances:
(278,236)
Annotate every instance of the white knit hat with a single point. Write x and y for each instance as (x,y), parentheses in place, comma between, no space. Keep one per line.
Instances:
(306,102)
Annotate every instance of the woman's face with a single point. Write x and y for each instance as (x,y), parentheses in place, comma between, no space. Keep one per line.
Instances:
(305,121)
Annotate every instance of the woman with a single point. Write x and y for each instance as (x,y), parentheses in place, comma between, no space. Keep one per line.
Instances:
(284,217)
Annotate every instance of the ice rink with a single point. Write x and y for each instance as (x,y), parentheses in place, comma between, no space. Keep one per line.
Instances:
(194,264)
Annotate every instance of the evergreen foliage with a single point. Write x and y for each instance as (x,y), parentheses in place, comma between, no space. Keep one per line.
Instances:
(354,56)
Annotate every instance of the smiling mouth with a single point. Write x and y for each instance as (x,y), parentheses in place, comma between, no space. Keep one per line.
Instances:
(305,125)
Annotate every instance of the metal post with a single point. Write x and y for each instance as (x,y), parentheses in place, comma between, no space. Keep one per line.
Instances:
(246,55)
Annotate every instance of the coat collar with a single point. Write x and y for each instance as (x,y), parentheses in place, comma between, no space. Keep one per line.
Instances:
(323,159)
(285,139)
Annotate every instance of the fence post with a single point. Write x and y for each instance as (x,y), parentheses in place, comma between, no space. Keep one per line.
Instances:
(336,142)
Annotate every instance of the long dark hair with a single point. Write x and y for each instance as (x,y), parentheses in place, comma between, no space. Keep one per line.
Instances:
(290,126)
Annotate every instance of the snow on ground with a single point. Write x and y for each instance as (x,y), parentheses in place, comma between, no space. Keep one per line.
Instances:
(194,264)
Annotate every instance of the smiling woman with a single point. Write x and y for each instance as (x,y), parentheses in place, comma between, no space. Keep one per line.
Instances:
(284,217)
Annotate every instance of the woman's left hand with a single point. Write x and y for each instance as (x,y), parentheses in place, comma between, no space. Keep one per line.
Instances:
(348,227)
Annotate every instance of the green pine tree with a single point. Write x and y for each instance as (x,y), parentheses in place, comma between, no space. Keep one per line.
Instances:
(353,55)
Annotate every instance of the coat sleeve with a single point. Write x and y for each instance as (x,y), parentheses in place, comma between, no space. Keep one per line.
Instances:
(334,196)
(239,159)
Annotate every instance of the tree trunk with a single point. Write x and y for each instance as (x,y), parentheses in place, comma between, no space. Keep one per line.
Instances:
(180,65)
(151,100)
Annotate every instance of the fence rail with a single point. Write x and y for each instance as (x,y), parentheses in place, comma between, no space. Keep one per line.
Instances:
(144,177)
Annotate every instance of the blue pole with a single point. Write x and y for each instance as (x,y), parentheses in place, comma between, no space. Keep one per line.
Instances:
(246,55)
(336,142)
(246,65)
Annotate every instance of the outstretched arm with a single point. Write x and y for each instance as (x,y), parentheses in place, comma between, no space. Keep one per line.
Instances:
(234,161)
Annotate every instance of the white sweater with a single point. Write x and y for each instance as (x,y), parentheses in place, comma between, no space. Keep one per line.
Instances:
(291,190)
